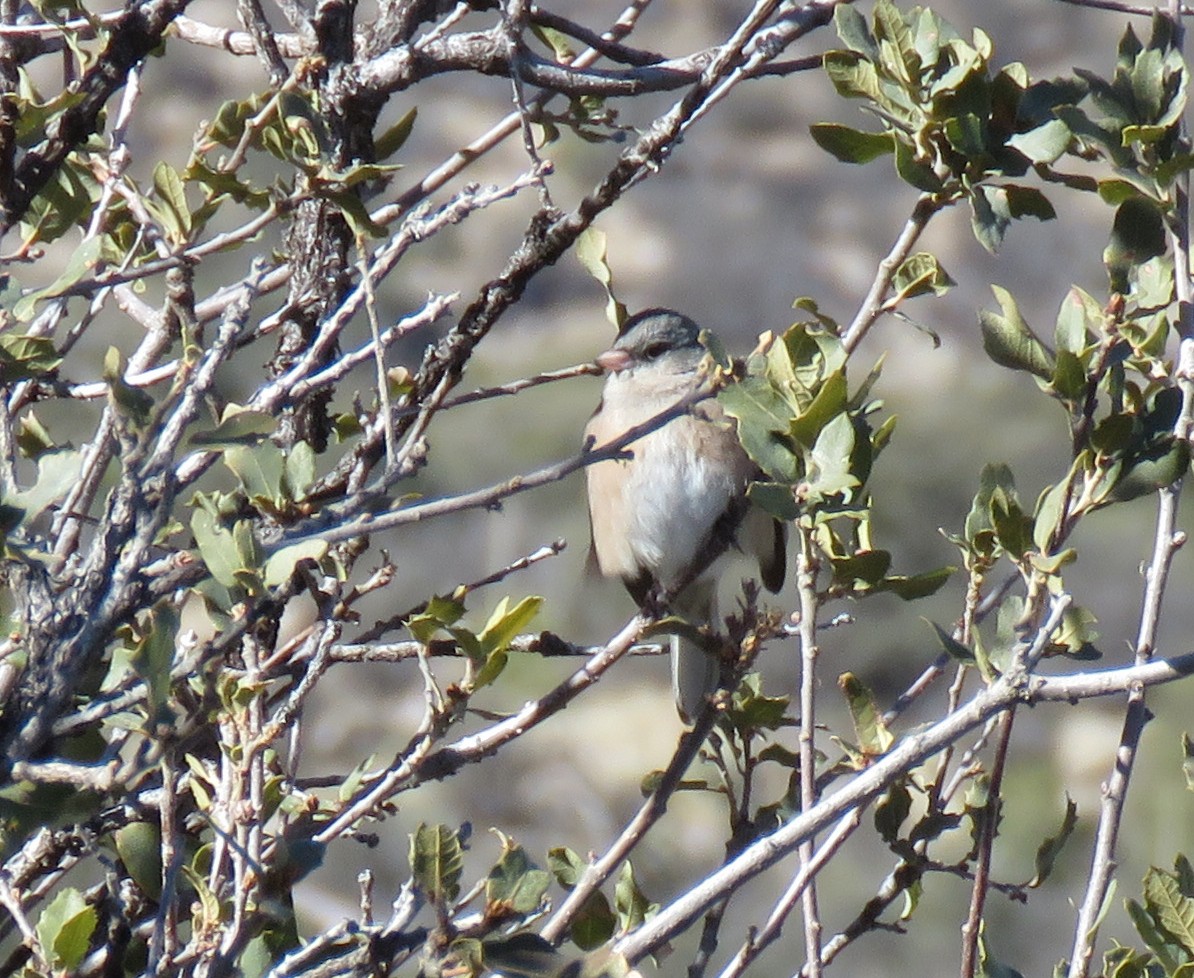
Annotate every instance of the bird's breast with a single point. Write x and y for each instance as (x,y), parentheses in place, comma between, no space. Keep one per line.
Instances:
(654,512)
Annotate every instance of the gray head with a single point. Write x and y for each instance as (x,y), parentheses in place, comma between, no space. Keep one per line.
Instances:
(653,334)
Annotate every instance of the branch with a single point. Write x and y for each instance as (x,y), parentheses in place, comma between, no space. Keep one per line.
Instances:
(134,36)
(470,749)
(1000,696)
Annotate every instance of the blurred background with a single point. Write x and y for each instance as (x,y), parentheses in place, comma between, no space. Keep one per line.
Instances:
(747,215)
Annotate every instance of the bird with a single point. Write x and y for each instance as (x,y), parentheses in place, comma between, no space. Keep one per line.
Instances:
(665,515)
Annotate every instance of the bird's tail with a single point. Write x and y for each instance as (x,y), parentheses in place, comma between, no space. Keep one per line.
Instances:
(695,671)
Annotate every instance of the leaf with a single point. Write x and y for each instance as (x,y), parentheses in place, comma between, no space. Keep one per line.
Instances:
(851,145)
(829,469)
(1078,316)
(921,274)
(852,28)
(1155,469)
(515,885)
(139,846)
(436,862)
(762,415)
(915,171)
(916,586)
(130,402)
(505,622)
(521,956)
(1044,144)
(892,811)
(392,140)
(82,263)
(64,929)
(566,866)
(281,564)
(1010,342)
(57,473)
(1048,851)
(216,547)
(869,727)
(1137,234)
(24,357)
(952,647)
(153,656)
(238,426)
(631,904)
(299,471)
(774,498)
(989,217)
(591,252)
(172,194)
(1171,907)
(259,469)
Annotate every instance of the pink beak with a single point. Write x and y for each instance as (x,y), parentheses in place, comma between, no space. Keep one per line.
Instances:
(611,361)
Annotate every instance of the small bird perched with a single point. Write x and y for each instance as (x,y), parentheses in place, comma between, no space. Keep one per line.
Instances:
(662,518)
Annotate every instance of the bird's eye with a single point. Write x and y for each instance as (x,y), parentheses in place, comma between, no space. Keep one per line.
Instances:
(655,350)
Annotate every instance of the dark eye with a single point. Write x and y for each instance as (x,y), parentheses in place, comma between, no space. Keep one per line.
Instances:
(655,350)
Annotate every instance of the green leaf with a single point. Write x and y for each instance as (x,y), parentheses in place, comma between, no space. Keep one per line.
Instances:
(1077,318)
(1137,235)
(24,357)
(892,811)
(916,586)
(762,415)
(57,473)
(522,955)
(436,862)
(1160,943)
(921,274)
(1048,851)
(869,727)
(914,171)
(1044,144)
(852,28)
(82,263)
(951,646)
(130,402)
(238,426)
(505,622)
(1155,469)
(1009,340)
(829,468)
(216,547)
(852,75)
(851,145)
(1027,202)
(514,885)
(64,929)
(566,866)
(392,140)
(1172,908)
(281,564)
(828,404)
(774,498)
(139,846)
(862,569)
(299,471)
(631,904)
(174,209)
(259,469)
(591,253)
(989,216)
(153,656)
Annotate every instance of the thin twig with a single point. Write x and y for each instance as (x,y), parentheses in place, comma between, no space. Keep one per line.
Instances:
(651,811)
(806,585)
